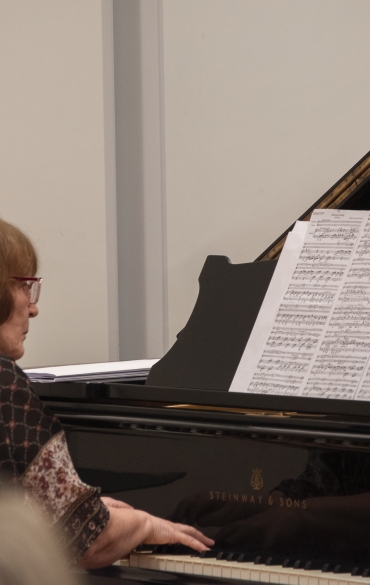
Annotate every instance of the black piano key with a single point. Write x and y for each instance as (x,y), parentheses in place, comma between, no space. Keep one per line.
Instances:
(222,555)
(360,570)
(174,549)
(183,550)
(247,557)
(209,554)
(328,567)
(260,559)
(144,548)
(276,561)
(299,563)
(345,567)
(289,562)
(357,570)
(314,565)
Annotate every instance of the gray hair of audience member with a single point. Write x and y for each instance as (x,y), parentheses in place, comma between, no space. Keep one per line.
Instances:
(29,553)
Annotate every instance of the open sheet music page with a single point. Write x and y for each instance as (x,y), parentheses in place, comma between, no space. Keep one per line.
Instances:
(312,335)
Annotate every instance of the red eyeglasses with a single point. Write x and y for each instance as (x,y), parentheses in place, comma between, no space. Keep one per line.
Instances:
(32,285)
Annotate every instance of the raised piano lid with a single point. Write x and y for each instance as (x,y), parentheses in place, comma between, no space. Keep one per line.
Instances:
(200,366)
(208,350)
(352,191)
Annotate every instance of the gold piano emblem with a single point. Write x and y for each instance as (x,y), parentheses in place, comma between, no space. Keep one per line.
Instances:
(256,481)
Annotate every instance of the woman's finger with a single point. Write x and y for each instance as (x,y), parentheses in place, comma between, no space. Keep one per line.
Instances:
(190,541)
(194,533)
(112,503)
(165,532)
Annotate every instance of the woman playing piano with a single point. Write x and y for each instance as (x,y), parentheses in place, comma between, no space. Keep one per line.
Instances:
(33,449)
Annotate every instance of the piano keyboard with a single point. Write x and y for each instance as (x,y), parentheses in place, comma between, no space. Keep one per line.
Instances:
(244,571)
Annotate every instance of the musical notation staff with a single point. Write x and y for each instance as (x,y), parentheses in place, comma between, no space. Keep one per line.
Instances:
(324,313)
(303,294)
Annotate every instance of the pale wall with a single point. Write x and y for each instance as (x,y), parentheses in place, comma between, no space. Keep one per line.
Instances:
(57,169)
(240,114)
(266,107)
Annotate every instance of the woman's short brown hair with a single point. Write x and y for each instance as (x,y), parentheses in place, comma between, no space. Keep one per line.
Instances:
(17,258)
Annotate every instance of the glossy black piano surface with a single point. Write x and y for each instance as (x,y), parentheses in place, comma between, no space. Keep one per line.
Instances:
(244,475)
(268,477)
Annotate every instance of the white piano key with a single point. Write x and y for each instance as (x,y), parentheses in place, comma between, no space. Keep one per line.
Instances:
(146,560)
(265,576)
(134,560)
(188,566)
(208,565)
(165,563)
(171,563)
(235,572)
(208,569)
(280,574)
(226,572)
(161,563)
(239,571)
(245,573)
(280,577)
(270,574)
(179,566)
(293,579)
(197,566)
(356,580)
(283,578)
(255,573)
(231,568)
(306,576)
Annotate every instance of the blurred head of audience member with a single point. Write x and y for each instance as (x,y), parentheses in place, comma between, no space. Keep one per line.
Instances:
(29,554)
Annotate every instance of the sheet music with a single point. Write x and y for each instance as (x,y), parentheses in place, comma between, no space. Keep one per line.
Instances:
(92,372)
(314,338)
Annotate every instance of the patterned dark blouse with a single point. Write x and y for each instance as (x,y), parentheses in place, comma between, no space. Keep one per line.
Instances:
(34,454)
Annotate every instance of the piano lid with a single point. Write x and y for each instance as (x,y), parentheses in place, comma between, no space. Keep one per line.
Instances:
(352,191)
(209,348)
(203,360)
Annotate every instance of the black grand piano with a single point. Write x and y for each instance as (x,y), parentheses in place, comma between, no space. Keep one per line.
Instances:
(281,483)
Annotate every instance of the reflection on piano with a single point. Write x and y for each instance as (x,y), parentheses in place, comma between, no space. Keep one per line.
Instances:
(281,483)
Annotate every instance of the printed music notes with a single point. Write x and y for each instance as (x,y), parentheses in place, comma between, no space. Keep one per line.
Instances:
(312,335)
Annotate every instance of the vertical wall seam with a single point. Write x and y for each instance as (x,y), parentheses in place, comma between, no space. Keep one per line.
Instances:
(163,171)
(110,178)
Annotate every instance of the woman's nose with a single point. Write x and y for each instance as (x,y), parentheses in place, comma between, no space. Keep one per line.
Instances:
(33,310)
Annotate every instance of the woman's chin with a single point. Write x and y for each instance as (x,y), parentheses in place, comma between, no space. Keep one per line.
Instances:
(16,353)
